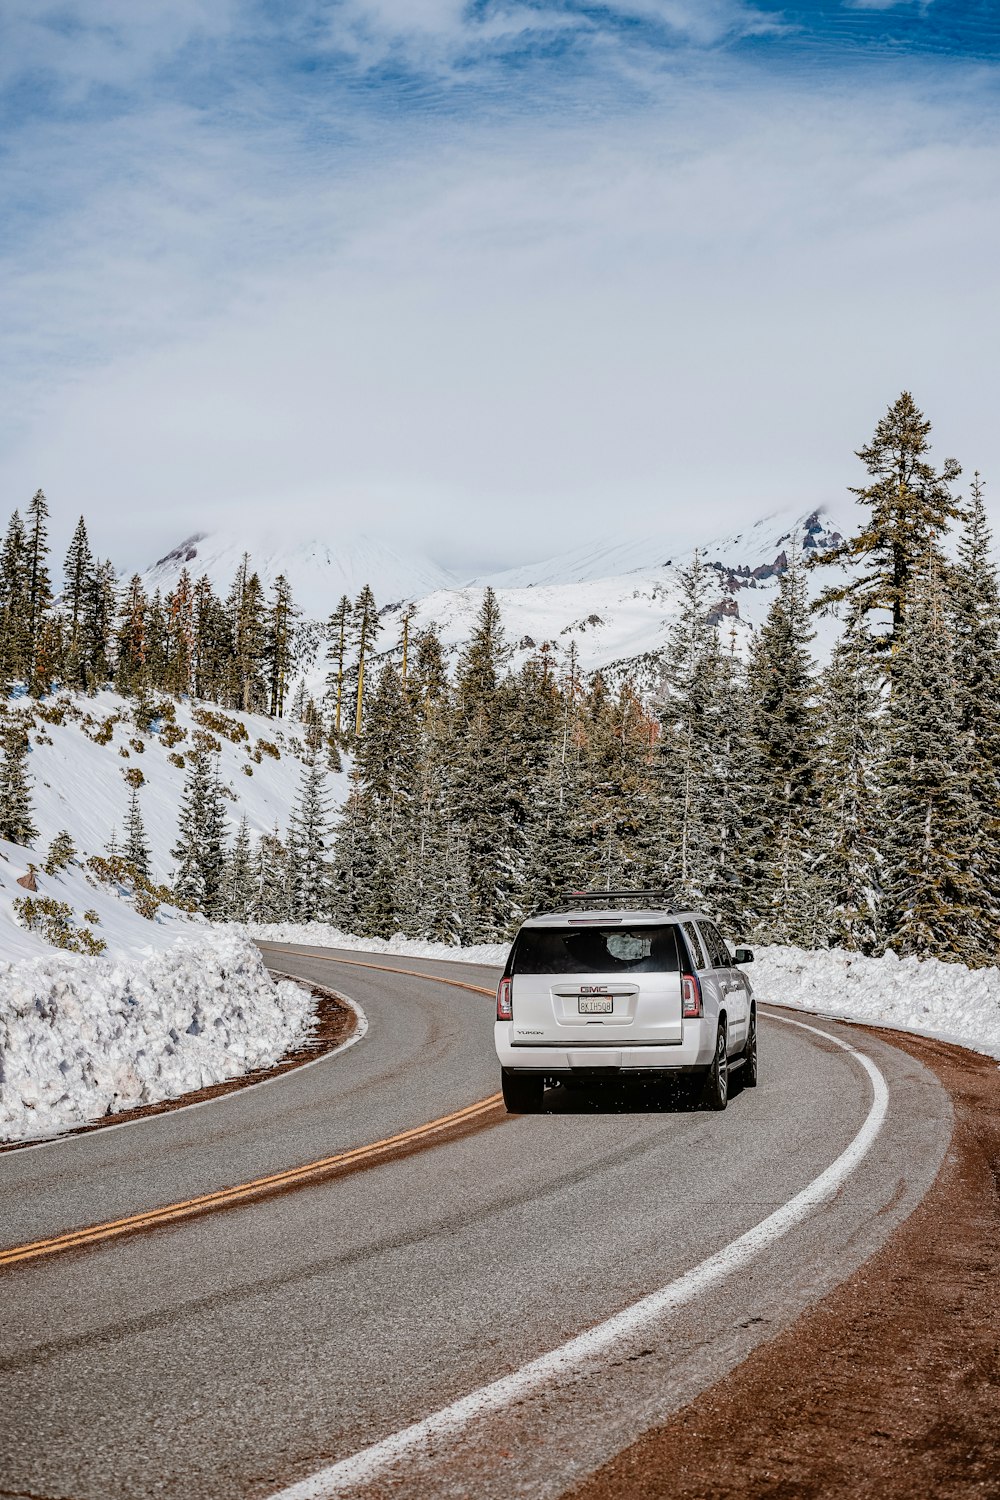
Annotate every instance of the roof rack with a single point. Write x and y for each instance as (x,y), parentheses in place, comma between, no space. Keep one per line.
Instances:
(662,900)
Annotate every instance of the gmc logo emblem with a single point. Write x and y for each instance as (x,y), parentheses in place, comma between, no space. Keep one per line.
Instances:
(593,989)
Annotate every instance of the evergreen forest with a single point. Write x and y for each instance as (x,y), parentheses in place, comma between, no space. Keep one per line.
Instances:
(855,805)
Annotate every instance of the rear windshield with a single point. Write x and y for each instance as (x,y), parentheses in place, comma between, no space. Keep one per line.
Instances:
(595,950)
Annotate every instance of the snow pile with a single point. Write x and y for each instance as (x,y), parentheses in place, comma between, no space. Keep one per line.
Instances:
(323,935)
(908,994)
(83,1037)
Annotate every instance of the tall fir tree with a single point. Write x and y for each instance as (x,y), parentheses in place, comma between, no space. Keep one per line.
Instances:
(974,606)
(131,647)
(272,894)
(910,507)
(933,898)
(366,626)
(200,850)
(700,823)
(279,643)
(38,583)
(76,571)
(16,815)
(338,631)
(15,632)
(239,885)
(481,787)
(781,799)
(309,845)
(100,611)
(849,839)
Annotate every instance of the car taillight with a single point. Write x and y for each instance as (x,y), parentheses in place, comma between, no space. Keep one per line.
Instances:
(503,1000)
(691,997)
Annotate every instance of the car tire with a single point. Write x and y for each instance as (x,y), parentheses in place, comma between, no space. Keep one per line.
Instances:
(748,1072)
(716,1091)
(522,1092)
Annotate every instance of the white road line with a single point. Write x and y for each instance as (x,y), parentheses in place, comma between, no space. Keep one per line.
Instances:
(361,1467)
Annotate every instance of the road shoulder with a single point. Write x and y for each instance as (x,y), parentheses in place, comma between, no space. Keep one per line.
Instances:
(891,1384)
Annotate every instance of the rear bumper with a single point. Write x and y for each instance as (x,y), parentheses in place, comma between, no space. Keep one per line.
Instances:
(695,1051)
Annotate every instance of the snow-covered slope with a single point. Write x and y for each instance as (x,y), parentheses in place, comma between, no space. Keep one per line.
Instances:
(319,570)
(84,749)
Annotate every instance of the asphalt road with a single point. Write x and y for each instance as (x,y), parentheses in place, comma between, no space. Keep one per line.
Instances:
(239,1352)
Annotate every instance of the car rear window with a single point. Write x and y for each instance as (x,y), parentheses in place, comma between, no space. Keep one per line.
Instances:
(596,950)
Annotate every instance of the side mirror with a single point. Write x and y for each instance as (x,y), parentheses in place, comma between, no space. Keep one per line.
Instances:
(743,956)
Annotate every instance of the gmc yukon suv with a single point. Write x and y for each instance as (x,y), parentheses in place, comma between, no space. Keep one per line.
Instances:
(623,983)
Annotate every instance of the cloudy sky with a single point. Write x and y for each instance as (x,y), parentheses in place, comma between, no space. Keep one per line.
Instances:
(487,278)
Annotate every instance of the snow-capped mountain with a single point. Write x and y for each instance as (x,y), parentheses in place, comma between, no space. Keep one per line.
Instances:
(614,600)
(319,571)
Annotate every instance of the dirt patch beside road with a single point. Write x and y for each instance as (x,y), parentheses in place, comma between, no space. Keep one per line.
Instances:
(890,1386)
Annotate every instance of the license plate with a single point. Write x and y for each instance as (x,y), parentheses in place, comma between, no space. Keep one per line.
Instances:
(596,1005)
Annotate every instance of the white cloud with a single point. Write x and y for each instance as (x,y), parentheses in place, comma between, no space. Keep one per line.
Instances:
(496,337)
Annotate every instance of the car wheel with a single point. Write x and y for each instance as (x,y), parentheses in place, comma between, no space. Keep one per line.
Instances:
(748,1072)
(522,1093)
(716,1095)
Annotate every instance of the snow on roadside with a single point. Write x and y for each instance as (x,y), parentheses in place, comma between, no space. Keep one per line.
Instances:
(909,994)
(925,995)
(82,1037)
(324,935)
(170,1005)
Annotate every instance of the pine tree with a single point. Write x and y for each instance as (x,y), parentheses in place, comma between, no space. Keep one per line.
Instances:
(975,616)
(136,846)
(271,900)
(200,850)
(100,610)
(131,674)
(781,793)
(481,792)
(700,821)
(245,607)
(911,506)
(279,641)
(212,643)
(62,852)
(239,886)
(386,767)
(16,820)
(180,640)
(849,837)
(338,627)
(154,671)
(308,845)
(365,621)
(76,571)
(15,633)
(932,895)
(38,584)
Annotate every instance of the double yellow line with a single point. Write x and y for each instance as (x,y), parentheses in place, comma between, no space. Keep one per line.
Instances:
(401,1144)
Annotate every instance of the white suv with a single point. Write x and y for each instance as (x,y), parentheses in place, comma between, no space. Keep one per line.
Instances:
(598,990)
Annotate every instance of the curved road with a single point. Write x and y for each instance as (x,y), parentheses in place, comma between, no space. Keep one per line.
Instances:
(241,1352)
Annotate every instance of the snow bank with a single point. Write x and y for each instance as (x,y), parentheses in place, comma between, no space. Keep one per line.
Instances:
(909,994)
(323,935)
(921,995)
(83,1037)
